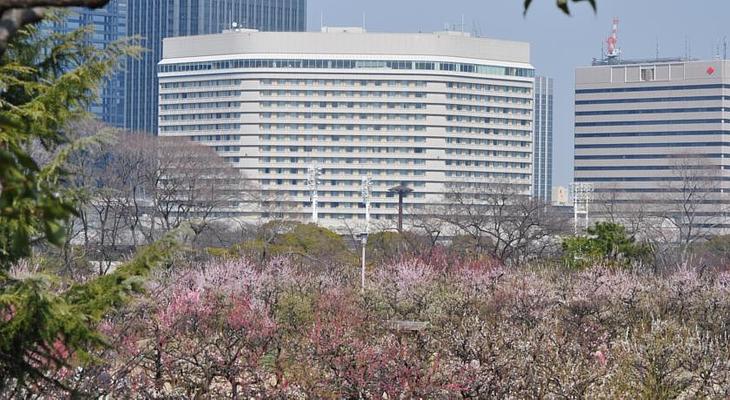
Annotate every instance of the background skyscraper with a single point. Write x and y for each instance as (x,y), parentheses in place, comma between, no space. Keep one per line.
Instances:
(543,141)
(154,20)
(110,24)
(651,137)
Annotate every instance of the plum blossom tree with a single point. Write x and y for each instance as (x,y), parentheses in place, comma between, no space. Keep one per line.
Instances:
(424,328)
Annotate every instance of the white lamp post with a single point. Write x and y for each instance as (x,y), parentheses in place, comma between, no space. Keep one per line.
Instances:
(366,189)
(313,184)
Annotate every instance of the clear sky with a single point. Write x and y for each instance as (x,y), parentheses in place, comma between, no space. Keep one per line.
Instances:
(559,43)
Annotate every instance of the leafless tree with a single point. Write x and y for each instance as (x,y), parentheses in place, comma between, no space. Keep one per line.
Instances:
(138,187)
(501,221)
(429,223)
(691,209)
(696,201)
(189,183)
(611,206)
(270,204)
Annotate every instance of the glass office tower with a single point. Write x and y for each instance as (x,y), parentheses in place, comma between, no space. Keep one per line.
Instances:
(110,24)
(154,20)
(543,141)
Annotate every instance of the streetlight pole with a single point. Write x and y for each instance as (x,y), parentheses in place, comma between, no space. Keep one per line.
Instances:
(313,183)
(402,191)
(366,189)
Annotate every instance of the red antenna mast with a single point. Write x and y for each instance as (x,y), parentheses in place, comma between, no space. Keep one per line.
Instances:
(613,50)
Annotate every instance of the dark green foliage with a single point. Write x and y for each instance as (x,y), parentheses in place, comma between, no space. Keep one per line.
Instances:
(715,252)
(606,243)
(387,246)
(563,5)
(47,82)
(307,242)
(46,324)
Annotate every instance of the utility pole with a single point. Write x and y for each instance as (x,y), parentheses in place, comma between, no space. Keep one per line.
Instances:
(313,184)
(402,191)
(367,185)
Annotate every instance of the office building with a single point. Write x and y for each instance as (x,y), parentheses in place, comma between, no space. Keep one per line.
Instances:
(109,25)
(154,20)
(651,137)
(427,110)
(542,179)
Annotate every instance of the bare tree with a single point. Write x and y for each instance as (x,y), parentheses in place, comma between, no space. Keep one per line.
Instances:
(190,183)
(501,221)
(139,187)
(429,223)
(691,209)
(611,206)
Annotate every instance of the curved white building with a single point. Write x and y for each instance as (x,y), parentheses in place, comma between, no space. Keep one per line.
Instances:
(422,109)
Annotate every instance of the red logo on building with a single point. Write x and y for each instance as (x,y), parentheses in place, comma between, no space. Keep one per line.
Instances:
(710,71)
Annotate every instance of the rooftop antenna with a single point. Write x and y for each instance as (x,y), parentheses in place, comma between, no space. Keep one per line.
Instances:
(724,48)
(363,20)
(612,41)
(462,24)
(478,28)
(717,52)
(321,20)
(689,49)
(657,48)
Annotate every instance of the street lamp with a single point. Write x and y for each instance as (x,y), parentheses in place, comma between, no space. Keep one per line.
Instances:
(367,185)
(313,184)
(402,191)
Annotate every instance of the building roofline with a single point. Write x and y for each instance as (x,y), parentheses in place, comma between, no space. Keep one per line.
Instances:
(619,61)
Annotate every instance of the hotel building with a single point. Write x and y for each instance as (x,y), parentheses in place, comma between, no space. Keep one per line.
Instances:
(428,110)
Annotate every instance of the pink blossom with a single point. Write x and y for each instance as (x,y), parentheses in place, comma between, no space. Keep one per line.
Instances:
(600,358)
(7,313)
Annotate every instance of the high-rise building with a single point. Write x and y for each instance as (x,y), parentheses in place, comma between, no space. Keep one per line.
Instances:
(428,110)
(109,25)
(153,20)
(652,139)
(542,179)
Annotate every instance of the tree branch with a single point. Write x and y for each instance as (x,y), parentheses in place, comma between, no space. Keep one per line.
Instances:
(15,14)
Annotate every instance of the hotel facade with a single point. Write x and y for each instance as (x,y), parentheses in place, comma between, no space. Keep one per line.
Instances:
(427,110)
